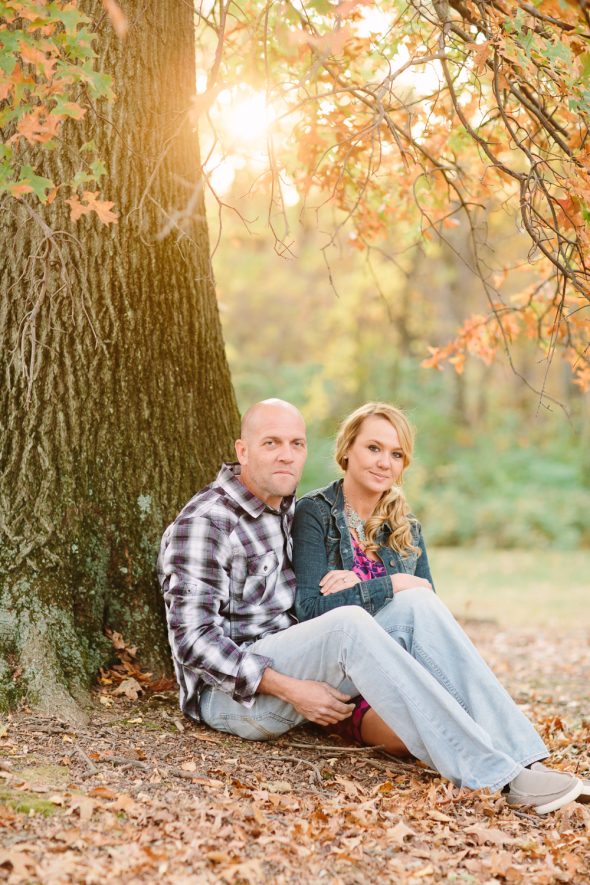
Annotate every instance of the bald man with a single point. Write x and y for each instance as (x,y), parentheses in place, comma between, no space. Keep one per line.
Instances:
(245,666)
(225,567)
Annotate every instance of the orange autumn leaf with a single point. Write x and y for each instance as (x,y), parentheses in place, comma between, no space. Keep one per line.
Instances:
(480,54)
(101,207)
(38,126)
(33,56)
(18,189)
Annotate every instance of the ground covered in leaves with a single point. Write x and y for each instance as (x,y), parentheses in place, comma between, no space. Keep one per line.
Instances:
(142,796)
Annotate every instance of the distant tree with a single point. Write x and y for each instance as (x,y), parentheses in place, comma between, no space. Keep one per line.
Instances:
(116,403)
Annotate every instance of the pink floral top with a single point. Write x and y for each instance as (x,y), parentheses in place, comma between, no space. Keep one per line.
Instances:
(364,568)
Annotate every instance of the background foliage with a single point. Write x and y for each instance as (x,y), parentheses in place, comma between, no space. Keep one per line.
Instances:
(491,469)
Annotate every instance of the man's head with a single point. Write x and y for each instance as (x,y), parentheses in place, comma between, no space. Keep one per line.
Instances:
(272,450)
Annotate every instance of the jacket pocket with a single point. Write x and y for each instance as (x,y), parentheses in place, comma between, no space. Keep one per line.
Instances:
(258,570)
(333,553)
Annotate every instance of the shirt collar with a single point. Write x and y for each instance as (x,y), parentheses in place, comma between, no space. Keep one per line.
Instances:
(228,480)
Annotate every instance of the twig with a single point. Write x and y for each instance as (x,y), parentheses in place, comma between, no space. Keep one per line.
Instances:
(165,756)
(122,760)
(335,749)
(302,761)
(47,729)
(535,820)
(178,772)
(111,722)
(92,769)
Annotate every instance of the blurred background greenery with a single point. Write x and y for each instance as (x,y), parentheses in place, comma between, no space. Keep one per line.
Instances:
(495,475)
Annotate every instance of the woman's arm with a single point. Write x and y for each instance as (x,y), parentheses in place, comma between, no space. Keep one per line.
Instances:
(311,564)
(422,566)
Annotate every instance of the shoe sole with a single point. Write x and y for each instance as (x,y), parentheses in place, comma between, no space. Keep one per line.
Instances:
(563,800)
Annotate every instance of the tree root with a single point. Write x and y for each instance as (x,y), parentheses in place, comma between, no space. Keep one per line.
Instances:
(42,661)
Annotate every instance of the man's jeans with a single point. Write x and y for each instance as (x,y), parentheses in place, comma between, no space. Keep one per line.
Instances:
(417,669)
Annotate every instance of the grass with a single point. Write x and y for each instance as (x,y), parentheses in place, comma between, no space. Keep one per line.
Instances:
(23,801)
(515,588)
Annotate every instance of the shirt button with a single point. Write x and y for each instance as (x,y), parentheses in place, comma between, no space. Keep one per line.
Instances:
(392,562)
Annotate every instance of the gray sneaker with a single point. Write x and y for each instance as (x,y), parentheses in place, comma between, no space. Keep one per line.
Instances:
(584,795)
(543,788)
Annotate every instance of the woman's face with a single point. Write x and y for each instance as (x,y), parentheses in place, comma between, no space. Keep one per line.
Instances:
(375,458)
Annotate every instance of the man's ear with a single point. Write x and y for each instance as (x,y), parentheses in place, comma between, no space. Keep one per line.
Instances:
(241,451)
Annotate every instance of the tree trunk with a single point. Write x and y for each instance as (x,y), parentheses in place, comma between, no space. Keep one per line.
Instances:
(131,408)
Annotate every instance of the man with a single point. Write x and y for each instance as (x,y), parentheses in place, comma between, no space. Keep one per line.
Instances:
(245,666)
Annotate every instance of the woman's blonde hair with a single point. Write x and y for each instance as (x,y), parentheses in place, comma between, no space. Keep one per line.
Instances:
(392,506)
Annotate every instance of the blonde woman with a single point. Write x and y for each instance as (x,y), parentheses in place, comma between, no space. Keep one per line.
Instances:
(366,545)
(356,543)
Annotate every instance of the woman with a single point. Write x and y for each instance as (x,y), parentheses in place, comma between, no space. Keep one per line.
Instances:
(356,542)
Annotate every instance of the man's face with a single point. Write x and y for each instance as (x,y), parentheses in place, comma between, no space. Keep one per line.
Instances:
(273,453)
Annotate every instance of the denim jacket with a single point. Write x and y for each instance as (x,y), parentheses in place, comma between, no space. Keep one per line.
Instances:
(322,543)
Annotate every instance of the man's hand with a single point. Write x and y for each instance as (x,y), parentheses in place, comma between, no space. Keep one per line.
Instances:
(321,703)
(402,581)
(336,580)
(316,701)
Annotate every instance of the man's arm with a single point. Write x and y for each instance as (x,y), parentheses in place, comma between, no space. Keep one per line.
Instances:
(194,569)
(316,701)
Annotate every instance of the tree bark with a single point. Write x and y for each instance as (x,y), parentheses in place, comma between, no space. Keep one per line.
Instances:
(131,408)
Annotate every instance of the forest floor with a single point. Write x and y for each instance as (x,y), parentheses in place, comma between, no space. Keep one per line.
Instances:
(142,796)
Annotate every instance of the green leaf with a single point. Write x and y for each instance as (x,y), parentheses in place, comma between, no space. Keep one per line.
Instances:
(39,185)
(80,178)
(70,18)
(99,84)
(585,68)
(89,146)
(321,6)
(98,169)
(557,51)
(69,108)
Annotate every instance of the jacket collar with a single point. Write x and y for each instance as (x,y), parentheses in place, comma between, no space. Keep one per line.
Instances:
(228,480)
(333,494)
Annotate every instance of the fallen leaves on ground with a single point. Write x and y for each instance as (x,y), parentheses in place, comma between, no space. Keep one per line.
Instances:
(165,807)
(127,677)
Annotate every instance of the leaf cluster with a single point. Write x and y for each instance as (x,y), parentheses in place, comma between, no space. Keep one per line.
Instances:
(426,117)
(46,78)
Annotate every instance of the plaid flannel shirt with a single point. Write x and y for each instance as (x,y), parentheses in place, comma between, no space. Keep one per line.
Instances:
(227,578)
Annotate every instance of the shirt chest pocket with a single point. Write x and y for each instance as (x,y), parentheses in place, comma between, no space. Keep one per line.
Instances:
(258,571)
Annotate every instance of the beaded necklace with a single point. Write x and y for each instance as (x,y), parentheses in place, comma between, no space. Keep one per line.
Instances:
(356,522)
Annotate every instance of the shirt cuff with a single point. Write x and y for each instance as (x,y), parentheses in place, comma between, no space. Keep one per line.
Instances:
(250,672)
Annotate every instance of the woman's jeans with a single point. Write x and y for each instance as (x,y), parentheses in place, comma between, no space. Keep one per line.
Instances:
(418,670)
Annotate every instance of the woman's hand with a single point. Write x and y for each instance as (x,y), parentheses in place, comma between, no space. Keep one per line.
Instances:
(403,581)
(337,580)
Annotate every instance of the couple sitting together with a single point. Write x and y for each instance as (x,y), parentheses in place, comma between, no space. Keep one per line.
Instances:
(323,609)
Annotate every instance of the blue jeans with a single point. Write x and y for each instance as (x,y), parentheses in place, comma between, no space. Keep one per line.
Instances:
(418,670)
